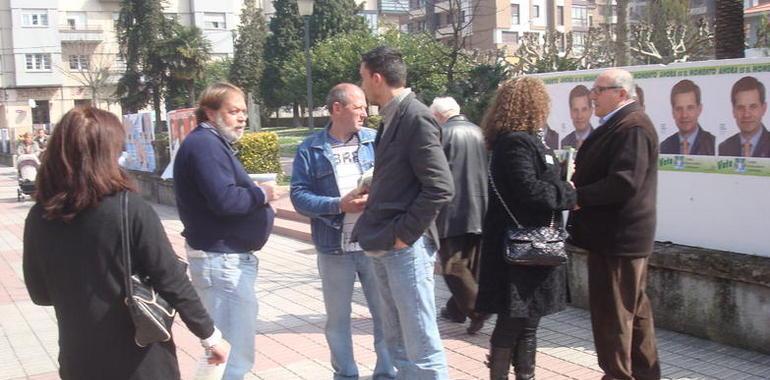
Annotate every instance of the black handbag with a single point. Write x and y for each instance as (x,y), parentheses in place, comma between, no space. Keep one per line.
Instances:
(537,246)
(151,314)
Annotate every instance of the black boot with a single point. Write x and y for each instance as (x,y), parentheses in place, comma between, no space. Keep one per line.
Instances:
(499,363)
(524,356)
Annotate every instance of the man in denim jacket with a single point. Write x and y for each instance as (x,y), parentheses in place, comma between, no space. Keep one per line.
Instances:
(328,164)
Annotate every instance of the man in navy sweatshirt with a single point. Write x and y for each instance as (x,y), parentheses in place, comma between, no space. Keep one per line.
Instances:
(226,219)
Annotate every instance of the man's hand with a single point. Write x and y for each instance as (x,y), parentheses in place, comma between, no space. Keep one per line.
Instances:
(400,244)
(218,352)
(270,188)
(353,202)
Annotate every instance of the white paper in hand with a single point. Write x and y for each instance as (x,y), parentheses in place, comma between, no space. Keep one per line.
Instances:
(206,371)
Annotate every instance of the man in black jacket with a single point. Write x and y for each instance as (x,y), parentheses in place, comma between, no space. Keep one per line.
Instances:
(459,223)
(616,179)
(411,183)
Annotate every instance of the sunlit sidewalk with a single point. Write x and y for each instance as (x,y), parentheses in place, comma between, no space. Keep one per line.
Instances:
(290,341)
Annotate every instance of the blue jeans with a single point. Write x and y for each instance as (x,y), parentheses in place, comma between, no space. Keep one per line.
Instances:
(225,283)
(338,275)
(406,284)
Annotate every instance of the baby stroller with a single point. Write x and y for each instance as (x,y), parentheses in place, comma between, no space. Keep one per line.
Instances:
(27,165)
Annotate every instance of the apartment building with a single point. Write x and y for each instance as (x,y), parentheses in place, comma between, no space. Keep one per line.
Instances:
(499,24)
(51,51)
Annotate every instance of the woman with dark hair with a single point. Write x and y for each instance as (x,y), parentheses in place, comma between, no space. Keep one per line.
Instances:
(527,176)
(73,262)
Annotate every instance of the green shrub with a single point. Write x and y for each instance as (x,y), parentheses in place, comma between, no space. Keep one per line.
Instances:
(373,121)
(258,152)
(162,156)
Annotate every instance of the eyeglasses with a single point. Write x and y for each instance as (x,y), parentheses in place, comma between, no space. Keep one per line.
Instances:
(599,89)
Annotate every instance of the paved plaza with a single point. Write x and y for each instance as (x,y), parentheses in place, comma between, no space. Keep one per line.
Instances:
(290,342)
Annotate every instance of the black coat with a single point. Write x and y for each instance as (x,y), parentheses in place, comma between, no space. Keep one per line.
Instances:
(533,189)
(411,181)
(616,175)
(466,153)
(77,268)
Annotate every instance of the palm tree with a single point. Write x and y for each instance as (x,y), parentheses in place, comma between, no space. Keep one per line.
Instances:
(186,53)
(729,37)
(621,33)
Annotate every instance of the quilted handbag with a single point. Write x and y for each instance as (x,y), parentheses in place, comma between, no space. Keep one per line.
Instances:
(151,314)
(537,246)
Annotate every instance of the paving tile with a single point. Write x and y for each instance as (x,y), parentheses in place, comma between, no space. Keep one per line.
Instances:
(290,342)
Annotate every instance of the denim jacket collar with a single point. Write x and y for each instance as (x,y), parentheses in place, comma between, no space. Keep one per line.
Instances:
(321,140)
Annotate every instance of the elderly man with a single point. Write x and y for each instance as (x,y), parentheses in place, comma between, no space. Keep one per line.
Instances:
(411,184)
(616,179)
(226,218)
(324,188)
(459,223)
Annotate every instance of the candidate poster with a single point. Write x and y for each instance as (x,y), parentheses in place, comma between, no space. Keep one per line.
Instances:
(711,116)
(140,133)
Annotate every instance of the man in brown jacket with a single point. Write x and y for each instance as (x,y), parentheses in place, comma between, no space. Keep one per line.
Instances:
(616,179)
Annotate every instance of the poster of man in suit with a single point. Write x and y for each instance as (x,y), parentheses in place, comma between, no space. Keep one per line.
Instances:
(690,137)
(580,111)
(749,107)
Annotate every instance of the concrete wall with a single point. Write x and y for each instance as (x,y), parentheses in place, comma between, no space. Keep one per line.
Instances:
(717,295)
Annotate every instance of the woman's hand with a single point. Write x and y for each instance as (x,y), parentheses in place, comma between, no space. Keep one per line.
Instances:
(218,353)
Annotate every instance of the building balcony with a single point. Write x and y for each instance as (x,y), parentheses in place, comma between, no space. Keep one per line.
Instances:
(70,34)
(394,6)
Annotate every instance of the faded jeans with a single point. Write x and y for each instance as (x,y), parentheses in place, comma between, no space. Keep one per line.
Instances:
(406,283)
(338,274)
(225,283)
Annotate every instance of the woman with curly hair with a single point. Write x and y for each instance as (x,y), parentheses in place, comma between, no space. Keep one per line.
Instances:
(528,178)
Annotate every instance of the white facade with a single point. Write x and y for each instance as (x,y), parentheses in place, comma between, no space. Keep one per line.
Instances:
(49,48)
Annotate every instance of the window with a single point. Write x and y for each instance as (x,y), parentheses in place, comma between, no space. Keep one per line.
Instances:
(78,62)
(579,17)
(515,18)
(38,62)
(82,102)
(535,11)
(578,40)
(41,114)
(511,38)
(76,20)
(34,18)
(214,21)
(560,15)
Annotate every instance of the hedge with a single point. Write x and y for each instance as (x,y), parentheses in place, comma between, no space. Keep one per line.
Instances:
(258,152)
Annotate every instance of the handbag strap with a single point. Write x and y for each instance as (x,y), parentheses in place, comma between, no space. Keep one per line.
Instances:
(125,239)
(502,201)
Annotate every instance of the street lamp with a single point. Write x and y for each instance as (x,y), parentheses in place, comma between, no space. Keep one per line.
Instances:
(306,10)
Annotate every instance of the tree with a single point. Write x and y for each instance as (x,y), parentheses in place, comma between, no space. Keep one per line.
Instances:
(621,33)
(139,28)
(460,15)
(729,39)
(184,53)
(249,48)
(91,65)
(284,41)
(668,34)
(332,17)
(338,58)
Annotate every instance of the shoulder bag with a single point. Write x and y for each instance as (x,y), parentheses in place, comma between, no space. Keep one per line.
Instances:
(152,315)
(536,246)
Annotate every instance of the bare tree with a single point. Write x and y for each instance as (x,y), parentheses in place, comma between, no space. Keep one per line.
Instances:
(683,42)
(91,65)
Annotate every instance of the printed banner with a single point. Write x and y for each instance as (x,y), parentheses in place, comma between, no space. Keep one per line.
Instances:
(180,123)
(711,117)
(140,133)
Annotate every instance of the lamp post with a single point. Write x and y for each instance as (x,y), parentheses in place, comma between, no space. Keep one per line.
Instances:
(306,10)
